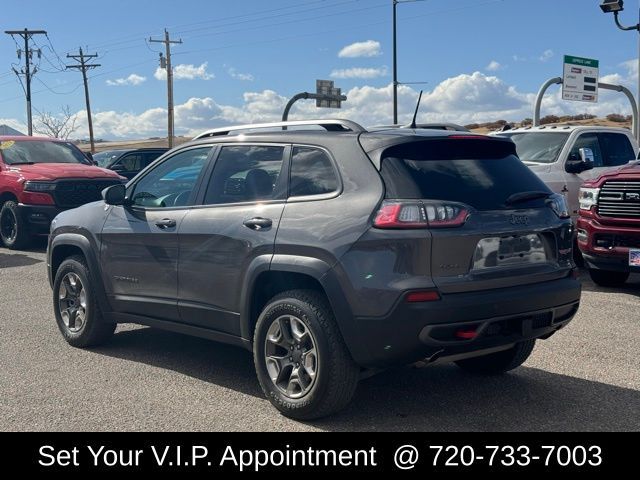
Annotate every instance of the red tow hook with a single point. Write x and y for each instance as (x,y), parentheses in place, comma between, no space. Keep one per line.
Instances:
(466,334)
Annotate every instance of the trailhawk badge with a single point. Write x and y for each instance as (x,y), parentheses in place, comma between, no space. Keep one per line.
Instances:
(519,220)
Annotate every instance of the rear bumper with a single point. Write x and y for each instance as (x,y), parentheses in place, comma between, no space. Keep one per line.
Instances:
(606,247)
(38,217)
(415,331)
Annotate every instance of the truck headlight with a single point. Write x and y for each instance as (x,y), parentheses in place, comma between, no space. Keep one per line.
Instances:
(588,197)
(39,186)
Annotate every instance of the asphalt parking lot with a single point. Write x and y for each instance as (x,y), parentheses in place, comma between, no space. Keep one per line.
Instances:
(587,377)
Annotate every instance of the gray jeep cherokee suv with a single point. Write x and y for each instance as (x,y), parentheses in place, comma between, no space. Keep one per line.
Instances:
(330,253)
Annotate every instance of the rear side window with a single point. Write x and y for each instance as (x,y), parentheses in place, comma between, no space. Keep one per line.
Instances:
(312,173)
(246,173)
(617,149)
(480,173)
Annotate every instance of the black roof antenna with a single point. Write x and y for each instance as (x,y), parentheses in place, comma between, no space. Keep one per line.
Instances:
(415,114)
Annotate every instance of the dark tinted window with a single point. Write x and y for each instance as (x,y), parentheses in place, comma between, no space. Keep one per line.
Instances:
(246,173)
(149,157)
(311,173)
(481,173)
(617,149)
(131,162)
(588,140)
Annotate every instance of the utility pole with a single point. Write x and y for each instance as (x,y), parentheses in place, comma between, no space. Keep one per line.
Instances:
(167,65)
(83,66)
(395,62)
(26,34)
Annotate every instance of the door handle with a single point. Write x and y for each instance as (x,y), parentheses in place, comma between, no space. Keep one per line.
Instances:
(166,223)
(258,223)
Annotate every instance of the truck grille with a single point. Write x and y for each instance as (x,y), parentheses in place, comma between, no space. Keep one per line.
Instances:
(73,193)
(620,199)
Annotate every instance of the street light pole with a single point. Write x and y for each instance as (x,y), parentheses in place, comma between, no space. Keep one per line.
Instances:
(616,6)
(395,63)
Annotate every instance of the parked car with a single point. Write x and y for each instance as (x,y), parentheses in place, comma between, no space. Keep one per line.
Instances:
(609,225)
(328,254)
(128,163)
(39,178)
(553,153)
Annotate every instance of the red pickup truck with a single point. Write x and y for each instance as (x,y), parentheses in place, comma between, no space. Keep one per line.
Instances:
(40,177)
(609,225)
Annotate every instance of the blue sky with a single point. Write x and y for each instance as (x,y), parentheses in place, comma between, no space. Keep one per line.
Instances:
(241,60)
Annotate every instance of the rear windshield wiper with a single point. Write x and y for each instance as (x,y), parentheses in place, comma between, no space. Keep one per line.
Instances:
(21,163)
(526,196)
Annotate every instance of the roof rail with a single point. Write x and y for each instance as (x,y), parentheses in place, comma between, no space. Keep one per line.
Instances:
(331,125)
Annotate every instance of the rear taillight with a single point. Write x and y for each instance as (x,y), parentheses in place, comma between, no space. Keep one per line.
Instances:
(416,214)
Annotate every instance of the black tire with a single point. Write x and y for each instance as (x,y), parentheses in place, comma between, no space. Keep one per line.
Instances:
(499,362)
(94,330)
(337,374)
(14,232)
(607,278)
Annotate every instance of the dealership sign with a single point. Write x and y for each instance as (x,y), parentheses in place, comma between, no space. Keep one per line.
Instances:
(580,79)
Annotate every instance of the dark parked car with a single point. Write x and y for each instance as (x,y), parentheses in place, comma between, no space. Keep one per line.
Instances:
(128,163)
(329,254)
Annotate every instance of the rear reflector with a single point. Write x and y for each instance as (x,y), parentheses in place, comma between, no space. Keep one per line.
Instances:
(466,333)
(424,296)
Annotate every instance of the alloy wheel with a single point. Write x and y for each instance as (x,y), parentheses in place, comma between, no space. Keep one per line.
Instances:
(72,302)
(291,356)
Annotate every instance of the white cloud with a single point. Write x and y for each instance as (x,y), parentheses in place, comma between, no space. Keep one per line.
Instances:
(370,48)
(133,79)
(186,72)
(546,56)
(245,77)
(518,58)
(493,66)
(466,98)
(359,72)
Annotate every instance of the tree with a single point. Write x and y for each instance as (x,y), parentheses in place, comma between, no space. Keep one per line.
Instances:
(57,126)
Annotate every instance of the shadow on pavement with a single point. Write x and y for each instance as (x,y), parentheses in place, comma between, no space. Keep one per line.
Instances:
(16,260)
(631,286)
(438,398)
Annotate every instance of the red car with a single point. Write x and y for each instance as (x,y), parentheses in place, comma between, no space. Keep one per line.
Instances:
(609,225)
(40,177)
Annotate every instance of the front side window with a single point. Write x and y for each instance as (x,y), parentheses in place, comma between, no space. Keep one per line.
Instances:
(248,173)
(311,173)
(40,151)
(172,183)
(131,163)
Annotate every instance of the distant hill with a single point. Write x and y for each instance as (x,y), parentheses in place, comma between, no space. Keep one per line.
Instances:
(612,120)
(7,130)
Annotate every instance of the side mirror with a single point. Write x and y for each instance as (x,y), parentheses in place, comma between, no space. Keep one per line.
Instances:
(118,167)
(115,194)
(585,162)
(89,155)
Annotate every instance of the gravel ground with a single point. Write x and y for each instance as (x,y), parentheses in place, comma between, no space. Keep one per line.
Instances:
(587,377)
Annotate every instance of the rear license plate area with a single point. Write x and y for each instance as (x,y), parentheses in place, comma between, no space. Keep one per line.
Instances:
(514,250)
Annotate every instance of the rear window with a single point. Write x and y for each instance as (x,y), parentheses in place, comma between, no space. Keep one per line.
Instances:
(480,173)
